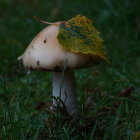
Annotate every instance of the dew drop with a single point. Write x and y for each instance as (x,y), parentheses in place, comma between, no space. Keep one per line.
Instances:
(28,71)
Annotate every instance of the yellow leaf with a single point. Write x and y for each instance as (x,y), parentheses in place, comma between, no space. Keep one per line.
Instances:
(80,36)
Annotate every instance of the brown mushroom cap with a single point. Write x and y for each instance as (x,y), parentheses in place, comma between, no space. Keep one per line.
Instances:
(46,53)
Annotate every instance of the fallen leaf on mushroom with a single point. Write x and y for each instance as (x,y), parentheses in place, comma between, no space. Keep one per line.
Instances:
(65,45)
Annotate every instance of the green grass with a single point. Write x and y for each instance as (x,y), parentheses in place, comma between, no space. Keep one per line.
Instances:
(97,87)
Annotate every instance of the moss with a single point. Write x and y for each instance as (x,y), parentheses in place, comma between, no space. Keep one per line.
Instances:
(80,36)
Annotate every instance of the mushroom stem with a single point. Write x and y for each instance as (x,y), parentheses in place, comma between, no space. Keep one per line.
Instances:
(66,91)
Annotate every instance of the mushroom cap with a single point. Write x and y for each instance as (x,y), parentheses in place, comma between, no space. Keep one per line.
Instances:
(46,53)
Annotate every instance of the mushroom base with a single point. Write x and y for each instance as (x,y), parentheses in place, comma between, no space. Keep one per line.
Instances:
(64,87)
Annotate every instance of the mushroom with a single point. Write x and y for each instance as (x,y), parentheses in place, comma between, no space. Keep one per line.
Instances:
(46,53)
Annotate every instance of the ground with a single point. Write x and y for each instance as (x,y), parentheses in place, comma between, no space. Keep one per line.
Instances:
(108,94)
